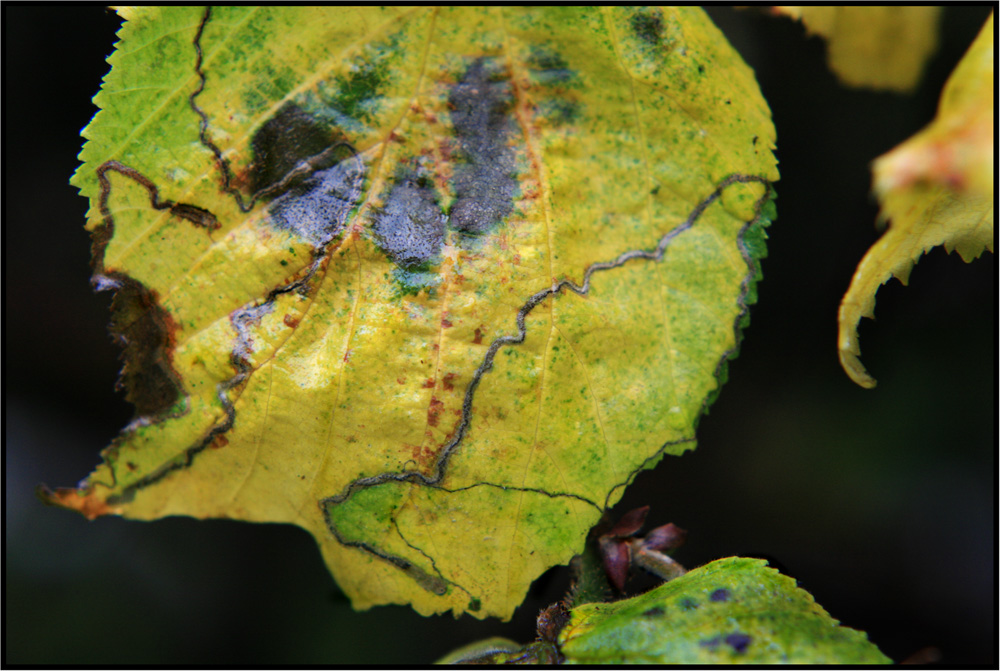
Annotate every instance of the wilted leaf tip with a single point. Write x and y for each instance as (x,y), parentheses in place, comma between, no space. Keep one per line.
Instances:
(84,502)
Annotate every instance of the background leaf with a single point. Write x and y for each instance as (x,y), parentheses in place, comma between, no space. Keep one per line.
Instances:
(871,46)
(935,189)
(446,354)
(733,610)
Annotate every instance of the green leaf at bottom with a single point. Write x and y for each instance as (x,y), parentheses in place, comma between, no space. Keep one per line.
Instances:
(733,610)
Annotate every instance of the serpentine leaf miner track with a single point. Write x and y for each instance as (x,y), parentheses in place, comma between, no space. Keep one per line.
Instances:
(242,318)
(530,303)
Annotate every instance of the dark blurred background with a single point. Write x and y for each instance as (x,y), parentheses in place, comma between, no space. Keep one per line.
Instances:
(882,503)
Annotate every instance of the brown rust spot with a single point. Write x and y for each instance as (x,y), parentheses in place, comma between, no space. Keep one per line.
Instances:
(434,412)
(429,383)
(448,381)
(478,336)
(219,441)
(420,453)
(290,321)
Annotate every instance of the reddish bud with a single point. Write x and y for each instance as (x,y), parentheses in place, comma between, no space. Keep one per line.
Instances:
(630,522)
(616,561)
(667,537)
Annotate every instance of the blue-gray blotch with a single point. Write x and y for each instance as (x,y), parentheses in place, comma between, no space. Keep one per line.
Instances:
(410,226)
(485,181)
(317,208)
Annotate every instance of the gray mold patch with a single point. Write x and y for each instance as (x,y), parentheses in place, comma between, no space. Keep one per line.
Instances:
(485,183)
(410,227)
(317,208)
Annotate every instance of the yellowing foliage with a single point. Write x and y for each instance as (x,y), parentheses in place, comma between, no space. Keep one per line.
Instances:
(434,284)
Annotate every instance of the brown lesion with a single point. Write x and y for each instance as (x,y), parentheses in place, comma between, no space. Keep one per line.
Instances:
(290,138)
(148,334)
(85,501)
(138,322)
(145,329)
(434,411)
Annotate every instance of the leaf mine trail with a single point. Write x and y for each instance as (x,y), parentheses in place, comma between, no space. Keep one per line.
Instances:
(656,255)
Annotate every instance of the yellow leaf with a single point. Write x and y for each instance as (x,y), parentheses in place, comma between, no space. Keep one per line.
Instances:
(871,46)
(936,188)
(434,284)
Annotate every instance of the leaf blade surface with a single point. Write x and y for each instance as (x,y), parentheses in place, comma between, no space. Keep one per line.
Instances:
(731,611)
(434,284)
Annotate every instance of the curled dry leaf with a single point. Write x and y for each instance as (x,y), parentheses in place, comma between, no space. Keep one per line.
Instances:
(937,188)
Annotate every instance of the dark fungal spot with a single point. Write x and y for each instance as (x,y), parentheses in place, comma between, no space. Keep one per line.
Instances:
(559,111)
(647,25)
(656,611)
(549,69)
(721,594)
(711,643)
(485,181)
(687,603)
(474,605)
(409,228)
(285,140)
(316,208)
(738,642)
(547,66)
